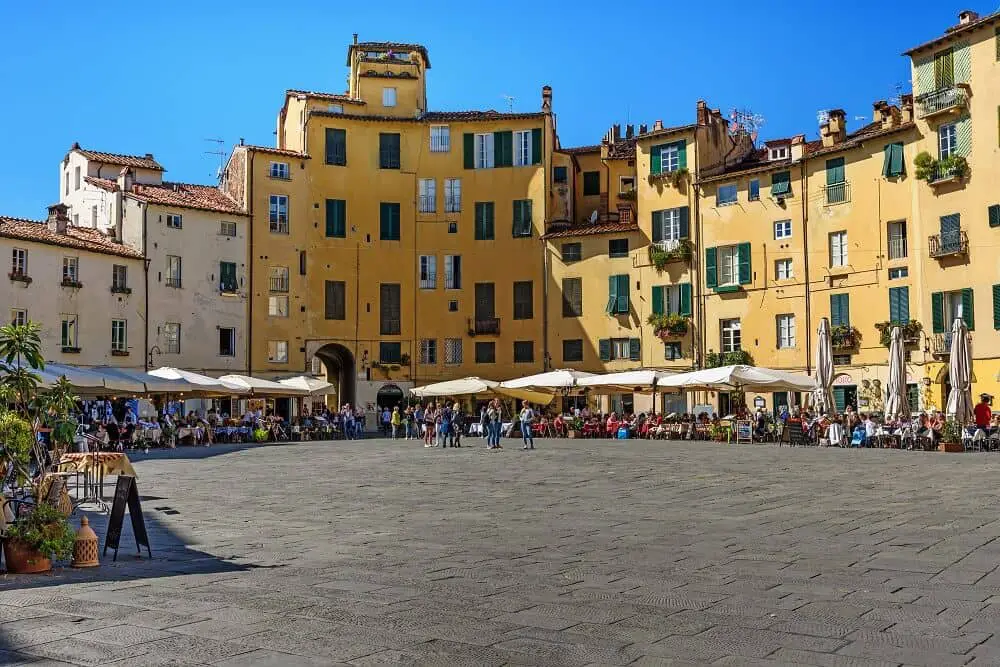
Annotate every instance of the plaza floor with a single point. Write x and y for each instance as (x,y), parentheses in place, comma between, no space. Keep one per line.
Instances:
(577,553)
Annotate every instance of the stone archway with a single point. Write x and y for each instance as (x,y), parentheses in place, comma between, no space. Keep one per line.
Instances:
(341,370)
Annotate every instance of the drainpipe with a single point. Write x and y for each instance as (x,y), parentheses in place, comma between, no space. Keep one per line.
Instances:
(546,192)
(145,264)
(805,253)
(250,248)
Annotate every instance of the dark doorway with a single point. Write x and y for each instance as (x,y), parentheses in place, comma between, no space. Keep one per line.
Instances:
(341,371)
(389,396)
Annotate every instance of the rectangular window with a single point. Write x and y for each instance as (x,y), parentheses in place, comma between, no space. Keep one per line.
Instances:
(227,228)
(522,148)
(278,279)
(625,215)
(388,150)
(899,304)
(484,151)
(71,269)
(670,157)
(18,317)
(452,195)
(898,272)
(389,221)
(76,219)
(944,69)
(440,139)
(781,184)
(388,97)
(993,215)
(947,140)
(302,262)
(279,170)
(277,351)
(523,300)
(841,360)
(618,295)
(731,335)
(560,175)
(672,351)
(783,269)
(782,230)
(335,307)
(726,195)
(672,299)
(571,252)
(618,248)
(524,351)
(897,240)
(119,336)
(19,262)
(336,218)
(76,178)
(172,338)
(591,183)
(227,342)
(389,309)
(484,221)
(626,184)
(93,216)
(278,213)
(840,310)
(119,278)
(277,305)
(753,190)
(452,351)
(573,350)
(729,265)
(453,272)
(336,147)
(428,272)
(893,165)
(838,249)
(175,220)
(428,195)
(486,353)
(68,333)
(227,277)
(612,349)
(786,331)
(572,293)
(522,222)
(428,351)
(390,353)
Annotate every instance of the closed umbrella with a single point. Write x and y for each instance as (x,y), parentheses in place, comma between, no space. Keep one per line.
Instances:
(823,394)
(897,403)
(960,373)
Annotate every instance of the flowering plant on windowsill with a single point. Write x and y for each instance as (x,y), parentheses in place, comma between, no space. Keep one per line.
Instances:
(674,177)
(115,289)
(659,257)
(20,277)
(844,337)
(910,330)
(739,357)
(69,282)
(668,326)
(119,353)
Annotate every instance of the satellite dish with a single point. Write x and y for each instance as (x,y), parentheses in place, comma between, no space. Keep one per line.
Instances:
(593,216)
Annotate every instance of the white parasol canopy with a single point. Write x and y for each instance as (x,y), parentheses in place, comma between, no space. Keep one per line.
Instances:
(138,382)
(739,377)
(823,393)
(203,384)
(897,403)
(960,373)
(638,380)
(471,386)
(563,378)
(82,379)
(313,386)
(259,387)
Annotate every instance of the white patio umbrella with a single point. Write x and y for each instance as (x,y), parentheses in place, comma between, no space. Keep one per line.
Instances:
(82,379)
(642,380)
(472,386)
(138,382)
(314,386)
(205,385)
(259,387)
(960,373)
(823,393)
(563,378)
(740,378)
(897,403)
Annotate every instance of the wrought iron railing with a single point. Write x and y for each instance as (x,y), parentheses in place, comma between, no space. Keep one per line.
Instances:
(941,343)
(948,243)
(837,193)
(940,100)
(489,326)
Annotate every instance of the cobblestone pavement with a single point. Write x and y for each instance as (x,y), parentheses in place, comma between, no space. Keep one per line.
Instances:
(581,552)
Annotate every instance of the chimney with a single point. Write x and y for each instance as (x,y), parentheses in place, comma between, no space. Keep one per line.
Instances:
(834,130)
(616,132)
(657,125)
(546,98)
(629,131)
(967,16)
(125,179)
(701,114)
(355,38)
(886,114)
(906,107)
(643,128)
(149,156)
(798,147)
(57,218)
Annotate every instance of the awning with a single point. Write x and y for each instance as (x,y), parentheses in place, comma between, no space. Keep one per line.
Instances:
(83,380)
(472,386)
(642,380)
(259,387)
(313,386)
(138,382)
(558,379)
(741,378)
(203,385)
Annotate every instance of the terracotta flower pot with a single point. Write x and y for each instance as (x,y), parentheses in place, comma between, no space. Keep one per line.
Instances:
(22,559)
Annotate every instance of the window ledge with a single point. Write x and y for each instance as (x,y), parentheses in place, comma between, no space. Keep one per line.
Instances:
(121,290)
(70,350)
(279,178)
(727,289)
(71,283)
(20,278)
(119,353)
(840,270)
(725,203)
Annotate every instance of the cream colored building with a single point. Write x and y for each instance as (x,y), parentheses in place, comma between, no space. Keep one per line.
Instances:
(83,288)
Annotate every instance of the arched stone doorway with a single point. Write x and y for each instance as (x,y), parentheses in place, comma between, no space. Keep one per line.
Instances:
(389,396)
(341,371)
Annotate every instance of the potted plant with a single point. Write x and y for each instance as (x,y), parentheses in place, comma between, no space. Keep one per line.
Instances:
(668,326)
(930,170)
(31,542)
(844,337)
(659,257)
(910,330)
(951,437)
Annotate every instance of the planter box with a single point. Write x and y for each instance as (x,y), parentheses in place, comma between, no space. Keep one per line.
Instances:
(21,559)
(573,433)
(951,447)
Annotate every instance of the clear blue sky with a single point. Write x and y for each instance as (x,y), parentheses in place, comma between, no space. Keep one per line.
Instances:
(162,77)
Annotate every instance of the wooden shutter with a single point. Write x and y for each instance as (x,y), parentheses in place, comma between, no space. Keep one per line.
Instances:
(604,349)
(655,166)
(536,146)
(996,306)
(336,217)
(503,149)
(903,304)
(682,154)
(658,299)
(612,307)
(937,312)
(634,349)
(469,150)
(835,171)
(657,226)
(685,300)
(572,292)
(384,220)
(336,146)
(944,69)
(840,310)
(897,165)
(334,307)
(685,222)
(887,161)
(994,215)
(623,290)
(488,224)
(743,251)
(968,304)
(711,269)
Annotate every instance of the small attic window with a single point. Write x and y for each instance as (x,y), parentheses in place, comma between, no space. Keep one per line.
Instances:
(335,108)
(777,153)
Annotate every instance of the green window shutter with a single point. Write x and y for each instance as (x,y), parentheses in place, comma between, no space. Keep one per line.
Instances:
(612,295)
(503,149)
(489,224)
(227,275)
(781,184)
(658,299)
(711,270)
(522,218)
(657,226)
(898,166)
(654,160)
(685,222)
(897,307)
(685,300)
(536,146)
(744,260)
(384,216)
(937,312)
(835,171)
(336,146)
(903,304)
(682,154)
(996,306)
(469,150)
(336,218)
(623,294)
(389,221)
(604,349)
(634,349)
(887,161)
(968,304)
(516,226)
(994,214)
(840,310)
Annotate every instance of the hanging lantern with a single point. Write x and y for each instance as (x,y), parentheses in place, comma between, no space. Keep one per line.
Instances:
(85,546)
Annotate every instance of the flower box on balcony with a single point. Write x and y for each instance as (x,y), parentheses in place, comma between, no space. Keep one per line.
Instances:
(910,330)
(662,253)
(66,282)
(628,195)
(68,349)
(675,177)
(115,289)
(844,337)
(668,327)
(119,353)
(19,277)
(940,172)
(716,359)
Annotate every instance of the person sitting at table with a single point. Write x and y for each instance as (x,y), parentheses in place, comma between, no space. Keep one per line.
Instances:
(870,429)
(559,426)
(983,414)
(611,425)
(760,424)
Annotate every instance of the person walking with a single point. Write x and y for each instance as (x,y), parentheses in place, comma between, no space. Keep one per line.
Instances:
(407,422)
(457,424)
(386,420)
(484,424)
(444,426)
(430,417)
(527,417)
(495,414)
(395,420)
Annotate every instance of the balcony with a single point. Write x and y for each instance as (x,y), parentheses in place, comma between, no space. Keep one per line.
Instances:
(941,344)
(947,244)
(943,101)
(844,337)
(837,193)
(486,326)
(229,288)
(662,253)
(120,289)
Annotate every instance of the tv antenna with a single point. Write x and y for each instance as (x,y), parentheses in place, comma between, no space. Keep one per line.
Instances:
(745,123)
(510,102)
(220,146)
(897,99)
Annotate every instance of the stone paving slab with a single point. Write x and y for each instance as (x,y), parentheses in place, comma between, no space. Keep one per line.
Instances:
(579,553)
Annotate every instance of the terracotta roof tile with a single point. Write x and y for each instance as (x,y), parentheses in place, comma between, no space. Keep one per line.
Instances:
(578,150)
(593,229)
(955,30)
(623,149)
(278,151)
(855,139)
(182,195)
(78,238)
(137,161)
(393,46)
(436,116)
(333,97)
(666,131)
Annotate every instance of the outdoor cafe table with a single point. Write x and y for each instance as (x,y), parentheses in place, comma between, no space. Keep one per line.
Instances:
(196,433)
(95,466)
